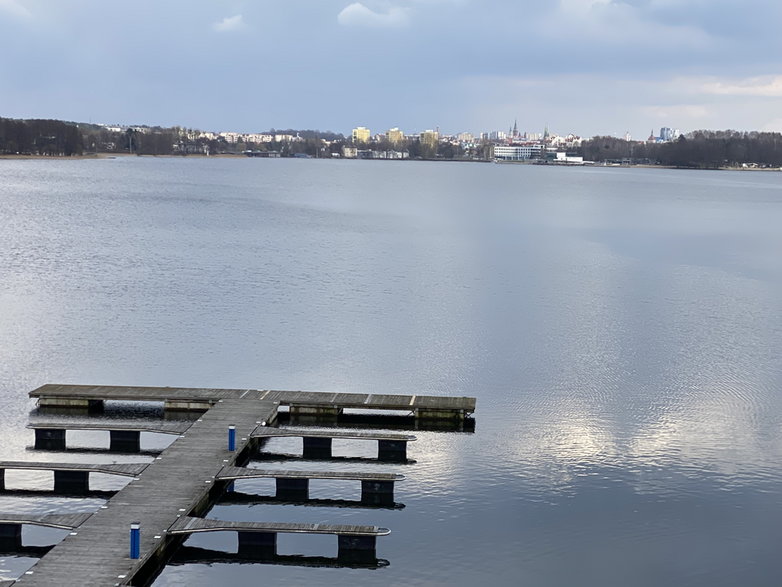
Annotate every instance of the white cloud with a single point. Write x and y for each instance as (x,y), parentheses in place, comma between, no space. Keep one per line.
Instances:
(357,14)
(15,8)
(764,86)
(229,24)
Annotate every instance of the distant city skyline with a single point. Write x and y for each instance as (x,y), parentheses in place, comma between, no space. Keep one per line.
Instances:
(591,67)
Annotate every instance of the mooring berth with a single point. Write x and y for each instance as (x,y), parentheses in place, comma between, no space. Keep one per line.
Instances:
(72,477)
(261,537)
(317,443)
(376,488)
(11,526)
(123,436)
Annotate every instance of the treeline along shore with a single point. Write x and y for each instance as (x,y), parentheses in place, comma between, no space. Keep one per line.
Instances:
(703,149)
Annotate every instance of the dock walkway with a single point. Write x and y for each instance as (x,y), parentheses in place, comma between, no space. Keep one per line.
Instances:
(175,484)
(423,407)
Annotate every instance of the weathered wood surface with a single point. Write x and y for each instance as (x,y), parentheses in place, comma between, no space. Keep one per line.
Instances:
(228,473)
(369,401)
(291,398)
(170,487)
(125,469)
(62,521)
(188,525)
(159,427)
(134,393)
(267,432)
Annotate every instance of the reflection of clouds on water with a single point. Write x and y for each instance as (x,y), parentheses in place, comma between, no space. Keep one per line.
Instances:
(717,385)
(657,374)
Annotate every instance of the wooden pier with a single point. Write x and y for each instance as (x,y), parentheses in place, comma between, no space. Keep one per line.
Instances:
(72,477)
(123,436)
(168,496)
(11,526)
(376,488)
(260,538)
(318,403)
(317,443)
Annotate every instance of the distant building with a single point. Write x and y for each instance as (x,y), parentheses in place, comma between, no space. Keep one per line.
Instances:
(361,135)
(395,136)
(430,138)
(560,157)
(518,152)
(666,134)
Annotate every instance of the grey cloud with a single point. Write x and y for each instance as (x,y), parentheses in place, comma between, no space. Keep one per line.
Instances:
(410,63)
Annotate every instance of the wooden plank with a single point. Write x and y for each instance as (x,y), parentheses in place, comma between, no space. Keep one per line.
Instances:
(159,427)
(249,473)
(62,521)
(134,393)
(444,403)
(270,432)
(190,525)
(125,469)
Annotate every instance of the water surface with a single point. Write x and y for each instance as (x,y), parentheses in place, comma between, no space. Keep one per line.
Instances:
(621,329)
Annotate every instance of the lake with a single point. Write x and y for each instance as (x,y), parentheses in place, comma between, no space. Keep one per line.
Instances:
(621,330)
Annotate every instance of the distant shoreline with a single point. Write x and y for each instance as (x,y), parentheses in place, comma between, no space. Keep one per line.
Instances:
(243,156)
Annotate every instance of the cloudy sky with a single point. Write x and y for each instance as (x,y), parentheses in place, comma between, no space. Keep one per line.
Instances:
(583,66)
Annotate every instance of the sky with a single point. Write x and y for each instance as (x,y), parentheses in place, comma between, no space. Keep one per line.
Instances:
(590,67)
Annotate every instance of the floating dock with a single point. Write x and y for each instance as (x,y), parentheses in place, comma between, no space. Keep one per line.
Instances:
(423,407)
(166,499)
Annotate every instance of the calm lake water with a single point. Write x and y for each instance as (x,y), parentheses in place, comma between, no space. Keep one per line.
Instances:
(621,329)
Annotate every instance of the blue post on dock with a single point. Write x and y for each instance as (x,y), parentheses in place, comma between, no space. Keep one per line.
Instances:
(232,438)
(135,540)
